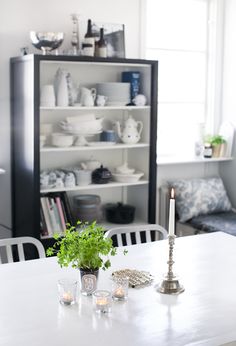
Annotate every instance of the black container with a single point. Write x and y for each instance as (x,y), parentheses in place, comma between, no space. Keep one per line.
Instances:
(119,213)
(87,208)
(101,175)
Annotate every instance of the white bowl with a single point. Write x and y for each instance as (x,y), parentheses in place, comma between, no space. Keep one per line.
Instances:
(127,178)
(62,140)
(84,127)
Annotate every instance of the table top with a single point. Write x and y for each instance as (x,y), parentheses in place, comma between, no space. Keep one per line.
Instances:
(204,314)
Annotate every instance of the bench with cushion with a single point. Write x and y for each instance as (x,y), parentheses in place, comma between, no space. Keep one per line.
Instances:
(202,205)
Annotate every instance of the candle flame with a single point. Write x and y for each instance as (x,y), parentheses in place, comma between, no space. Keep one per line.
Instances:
(172,193)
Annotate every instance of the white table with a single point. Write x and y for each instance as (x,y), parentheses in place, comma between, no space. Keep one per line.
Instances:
(205,314)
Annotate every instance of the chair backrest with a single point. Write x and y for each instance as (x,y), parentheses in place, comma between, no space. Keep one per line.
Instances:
(19,242)
(129,235)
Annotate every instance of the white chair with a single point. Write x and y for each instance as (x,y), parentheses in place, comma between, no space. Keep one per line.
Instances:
(137,234)
(19,242)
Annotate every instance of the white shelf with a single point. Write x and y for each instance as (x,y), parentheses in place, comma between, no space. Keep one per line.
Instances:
(83,108)
(176,161)
(108,64)
(99,147)
(108,225)
(95,186)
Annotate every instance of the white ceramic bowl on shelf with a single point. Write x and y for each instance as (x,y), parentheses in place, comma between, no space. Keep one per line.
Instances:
(62,140)
(127,178)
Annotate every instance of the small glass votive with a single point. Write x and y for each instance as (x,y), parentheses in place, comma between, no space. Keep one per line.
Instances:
(120,287)
(67,290)
(102,301)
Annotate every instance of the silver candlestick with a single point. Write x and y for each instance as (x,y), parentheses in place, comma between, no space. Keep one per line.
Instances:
(170,284)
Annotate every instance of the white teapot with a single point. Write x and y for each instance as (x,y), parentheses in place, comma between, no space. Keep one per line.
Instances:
(131,132)
(90,164)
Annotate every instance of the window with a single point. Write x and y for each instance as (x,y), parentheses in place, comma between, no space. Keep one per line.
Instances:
(177,35)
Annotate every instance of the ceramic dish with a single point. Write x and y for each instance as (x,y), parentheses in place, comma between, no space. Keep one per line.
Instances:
(84,127)
(62,140)
(127,178)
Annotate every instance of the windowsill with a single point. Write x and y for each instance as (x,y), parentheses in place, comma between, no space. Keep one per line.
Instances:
(165,160)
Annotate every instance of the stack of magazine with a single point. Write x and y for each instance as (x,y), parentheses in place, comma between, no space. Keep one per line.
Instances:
(55,213)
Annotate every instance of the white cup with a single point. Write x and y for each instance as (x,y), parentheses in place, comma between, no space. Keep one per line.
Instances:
(83,177)
(47,96)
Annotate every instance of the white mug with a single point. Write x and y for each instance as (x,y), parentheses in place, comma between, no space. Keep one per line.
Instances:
(83,177)
(47,96)
(101,100)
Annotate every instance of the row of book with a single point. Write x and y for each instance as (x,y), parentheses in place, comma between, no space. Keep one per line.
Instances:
(55,213)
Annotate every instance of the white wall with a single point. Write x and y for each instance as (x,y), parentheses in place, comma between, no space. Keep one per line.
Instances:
(17,18)
(229,91)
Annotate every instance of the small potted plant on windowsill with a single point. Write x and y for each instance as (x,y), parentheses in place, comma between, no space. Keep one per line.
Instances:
(86,249)
(218,146)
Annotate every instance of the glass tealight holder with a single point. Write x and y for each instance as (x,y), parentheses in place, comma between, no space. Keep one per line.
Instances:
(102,301)
(67,290)
(120,287)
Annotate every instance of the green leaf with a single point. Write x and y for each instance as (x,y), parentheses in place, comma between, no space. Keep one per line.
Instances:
(83,246)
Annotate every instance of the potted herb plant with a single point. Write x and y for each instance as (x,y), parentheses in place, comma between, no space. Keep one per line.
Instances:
(218,145)
(87,250)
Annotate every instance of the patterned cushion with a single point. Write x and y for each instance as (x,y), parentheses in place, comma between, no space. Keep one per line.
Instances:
(199,196)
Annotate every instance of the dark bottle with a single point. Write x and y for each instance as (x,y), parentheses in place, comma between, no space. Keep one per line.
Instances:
(101,45)
(89,30)
(207,153)
(89,37)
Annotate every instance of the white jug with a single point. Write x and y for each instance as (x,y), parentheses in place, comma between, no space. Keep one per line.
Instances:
(131,132)
(87,96)
(61,88)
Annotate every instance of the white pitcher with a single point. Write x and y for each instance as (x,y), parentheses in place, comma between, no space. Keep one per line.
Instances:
(87,96)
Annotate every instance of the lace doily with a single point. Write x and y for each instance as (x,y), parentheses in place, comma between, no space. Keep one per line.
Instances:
(137,278)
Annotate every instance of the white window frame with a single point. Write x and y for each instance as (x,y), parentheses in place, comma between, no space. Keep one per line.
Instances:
(214,64)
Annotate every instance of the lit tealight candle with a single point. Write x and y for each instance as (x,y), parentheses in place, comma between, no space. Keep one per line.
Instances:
(102,301)
(102,304)
(172,213)
(119,293)
(67,298)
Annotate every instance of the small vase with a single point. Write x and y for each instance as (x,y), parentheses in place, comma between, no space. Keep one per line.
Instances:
(216,150)
(62,94)
(88,280)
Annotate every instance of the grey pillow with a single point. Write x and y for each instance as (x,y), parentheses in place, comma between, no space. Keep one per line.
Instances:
(199,196)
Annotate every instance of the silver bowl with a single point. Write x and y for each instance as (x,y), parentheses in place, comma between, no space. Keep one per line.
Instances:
(46,41)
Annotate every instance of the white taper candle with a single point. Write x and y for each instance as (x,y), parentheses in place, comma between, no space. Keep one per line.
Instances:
(172,213)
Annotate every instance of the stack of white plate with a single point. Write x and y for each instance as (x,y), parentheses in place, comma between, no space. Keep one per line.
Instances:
(82,124)
(118,94)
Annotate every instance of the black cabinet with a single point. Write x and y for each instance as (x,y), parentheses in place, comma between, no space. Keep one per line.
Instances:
(28,75)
